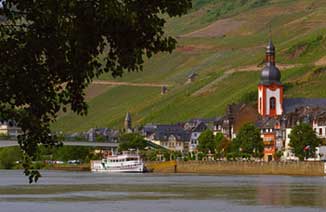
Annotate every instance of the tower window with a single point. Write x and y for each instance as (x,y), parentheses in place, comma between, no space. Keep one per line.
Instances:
(272,103)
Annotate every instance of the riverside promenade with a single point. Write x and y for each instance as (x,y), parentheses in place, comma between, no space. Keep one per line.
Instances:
(239,168)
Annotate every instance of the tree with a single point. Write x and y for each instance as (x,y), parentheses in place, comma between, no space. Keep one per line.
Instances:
(132,141)
(248,141)
(223,147)
(304,141)
(209,142)
(9,156)
(51,50)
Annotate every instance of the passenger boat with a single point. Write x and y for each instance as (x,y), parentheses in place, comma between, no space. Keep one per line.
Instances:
(126,162)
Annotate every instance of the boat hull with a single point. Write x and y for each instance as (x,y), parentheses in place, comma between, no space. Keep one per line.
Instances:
(97,166)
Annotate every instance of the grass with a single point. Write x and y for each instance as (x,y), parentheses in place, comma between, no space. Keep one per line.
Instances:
(295,23)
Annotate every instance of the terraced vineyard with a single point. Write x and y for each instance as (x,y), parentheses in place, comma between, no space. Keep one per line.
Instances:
(223,42)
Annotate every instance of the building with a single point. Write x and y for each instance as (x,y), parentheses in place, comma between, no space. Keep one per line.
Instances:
(164,89)
(191,77)
(270,88)
(102,134)
(128,123)
(195,128)
(235,117)
(272,135)
(9,129)
(172,137)
(319,124)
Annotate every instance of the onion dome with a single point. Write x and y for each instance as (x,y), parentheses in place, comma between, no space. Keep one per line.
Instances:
(270,74)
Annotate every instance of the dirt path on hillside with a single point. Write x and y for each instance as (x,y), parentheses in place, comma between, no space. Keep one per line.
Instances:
(216,29)
(94,90)
(209,88)
(321,62)
(104,82)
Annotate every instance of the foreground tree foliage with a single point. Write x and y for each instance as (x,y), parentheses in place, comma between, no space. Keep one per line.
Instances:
(304,141)
(50,51)
(248,142)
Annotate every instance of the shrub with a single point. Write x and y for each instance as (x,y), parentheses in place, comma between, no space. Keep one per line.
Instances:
(9,156)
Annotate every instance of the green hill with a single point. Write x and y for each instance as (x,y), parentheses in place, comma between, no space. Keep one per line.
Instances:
(223,42)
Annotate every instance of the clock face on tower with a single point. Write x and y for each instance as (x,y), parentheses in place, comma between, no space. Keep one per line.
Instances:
(270,88)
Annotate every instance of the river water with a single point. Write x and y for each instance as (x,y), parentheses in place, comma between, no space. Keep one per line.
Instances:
(92,192)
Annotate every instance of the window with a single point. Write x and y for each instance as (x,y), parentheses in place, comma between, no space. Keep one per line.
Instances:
(272,103)
(260,105)
(320,131)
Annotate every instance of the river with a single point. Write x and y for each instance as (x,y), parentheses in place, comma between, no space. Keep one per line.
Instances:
(93,192)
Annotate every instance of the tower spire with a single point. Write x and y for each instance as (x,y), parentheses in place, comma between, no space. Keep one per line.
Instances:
(270,32)
(128,122)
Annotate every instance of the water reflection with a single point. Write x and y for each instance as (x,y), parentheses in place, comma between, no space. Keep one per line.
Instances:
(257,193)
(304,193)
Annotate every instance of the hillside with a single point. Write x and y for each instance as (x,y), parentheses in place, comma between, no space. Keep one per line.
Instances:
(223,42)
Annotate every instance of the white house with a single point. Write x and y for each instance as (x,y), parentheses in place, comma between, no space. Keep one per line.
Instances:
(9,128)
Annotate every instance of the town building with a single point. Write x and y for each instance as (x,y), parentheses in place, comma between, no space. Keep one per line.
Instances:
(164,89)
(235,117)
(9,129)
(191,77)
(172,137)
(102,134)
(195,128)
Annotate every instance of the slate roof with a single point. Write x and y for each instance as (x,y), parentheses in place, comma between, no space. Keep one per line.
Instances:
(290,105)
(163,132)
(267,123)
(149,129)
(104,131)
(205,120)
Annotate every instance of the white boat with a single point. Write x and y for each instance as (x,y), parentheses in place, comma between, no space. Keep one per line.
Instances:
(127,162)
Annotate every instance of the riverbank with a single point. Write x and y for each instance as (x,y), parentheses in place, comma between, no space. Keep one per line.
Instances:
(219,167)
(239,168)
(69,167)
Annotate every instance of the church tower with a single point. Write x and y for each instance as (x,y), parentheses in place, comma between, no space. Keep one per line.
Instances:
(127,122)
(270,88)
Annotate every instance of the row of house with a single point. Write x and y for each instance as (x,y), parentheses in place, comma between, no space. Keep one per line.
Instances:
(177,137)
(96,135)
